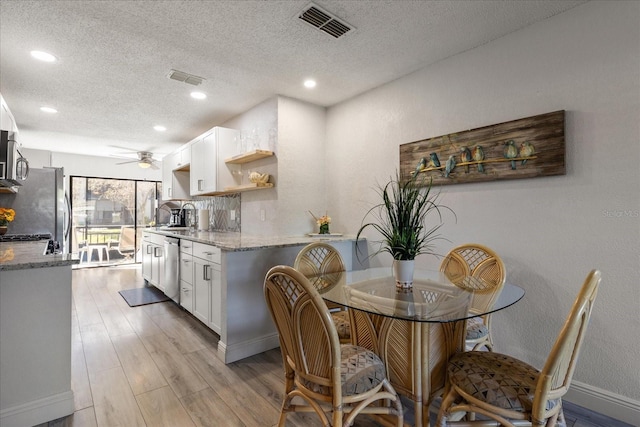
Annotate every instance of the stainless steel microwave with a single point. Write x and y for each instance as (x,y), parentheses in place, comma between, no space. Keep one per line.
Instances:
(13,167)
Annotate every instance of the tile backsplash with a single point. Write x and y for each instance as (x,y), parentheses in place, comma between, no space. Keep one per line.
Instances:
(224,211)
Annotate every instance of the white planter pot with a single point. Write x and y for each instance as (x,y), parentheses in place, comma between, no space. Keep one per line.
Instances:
(403,272)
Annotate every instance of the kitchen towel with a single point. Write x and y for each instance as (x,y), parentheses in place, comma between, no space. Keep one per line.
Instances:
(203,219)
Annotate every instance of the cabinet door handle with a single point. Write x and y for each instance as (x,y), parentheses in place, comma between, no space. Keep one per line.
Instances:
(205,272)
(186,261)
(149,248)
(170,192)
(200,184)
(208,253)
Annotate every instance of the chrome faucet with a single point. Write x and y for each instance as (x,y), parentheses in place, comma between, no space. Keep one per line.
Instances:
(193,222)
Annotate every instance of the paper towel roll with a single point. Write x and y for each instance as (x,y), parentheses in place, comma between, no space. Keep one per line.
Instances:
(203,219)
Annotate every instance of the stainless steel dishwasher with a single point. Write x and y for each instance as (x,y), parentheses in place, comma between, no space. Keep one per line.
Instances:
(171,279)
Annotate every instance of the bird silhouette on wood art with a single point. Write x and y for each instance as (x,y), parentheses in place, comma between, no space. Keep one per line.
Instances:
(449,166)
(526,150)
(433,160)
(465,156)
(421,165)
(478,156)
(511,152)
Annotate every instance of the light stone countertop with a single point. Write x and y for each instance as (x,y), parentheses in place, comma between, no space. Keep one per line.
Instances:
(245,242)
(24,255)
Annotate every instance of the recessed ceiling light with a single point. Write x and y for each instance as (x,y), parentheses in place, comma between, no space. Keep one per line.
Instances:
(43,56)
(160,128)
(48,110)
(310,83)
(198,95)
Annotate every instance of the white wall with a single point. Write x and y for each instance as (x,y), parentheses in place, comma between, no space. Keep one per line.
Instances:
(298,169)
(550,231)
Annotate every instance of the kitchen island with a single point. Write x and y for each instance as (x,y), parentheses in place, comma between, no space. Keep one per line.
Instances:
(35,334)
(222,276)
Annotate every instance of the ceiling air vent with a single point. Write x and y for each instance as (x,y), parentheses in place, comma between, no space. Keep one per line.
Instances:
(181,76)
(324,21)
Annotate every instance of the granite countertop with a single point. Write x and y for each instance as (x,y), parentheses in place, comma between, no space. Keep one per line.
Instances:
(24,255)
(244,242)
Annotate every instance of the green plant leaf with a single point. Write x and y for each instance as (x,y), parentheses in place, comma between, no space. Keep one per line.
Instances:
(403,218)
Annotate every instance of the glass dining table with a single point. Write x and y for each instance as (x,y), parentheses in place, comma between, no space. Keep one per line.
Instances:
(415,331)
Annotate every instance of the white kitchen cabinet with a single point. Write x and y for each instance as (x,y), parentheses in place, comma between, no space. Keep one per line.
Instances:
(209,174)
(153,259)
(175,182)
(207,285)
(186,275)
(7,121)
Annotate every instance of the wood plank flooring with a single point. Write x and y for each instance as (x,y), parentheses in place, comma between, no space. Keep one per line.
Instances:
(155,366)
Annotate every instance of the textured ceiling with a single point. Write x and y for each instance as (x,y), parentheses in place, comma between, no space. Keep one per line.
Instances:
(110,84)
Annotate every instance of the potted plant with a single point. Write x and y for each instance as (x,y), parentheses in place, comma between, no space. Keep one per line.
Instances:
(408,218)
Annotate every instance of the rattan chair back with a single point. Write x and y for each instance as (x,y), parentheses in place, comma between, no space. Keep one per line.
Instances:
(476,261)
(312,354)
(555,377)
(318,259)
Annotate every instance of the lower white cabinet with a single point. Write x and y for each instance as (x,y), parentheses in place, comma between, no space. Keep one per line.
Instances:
(153,259)
(186,275)
(207,285)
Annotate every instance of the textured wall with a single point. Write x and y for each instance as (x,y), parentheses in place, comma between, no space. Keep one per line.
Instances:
(550,231)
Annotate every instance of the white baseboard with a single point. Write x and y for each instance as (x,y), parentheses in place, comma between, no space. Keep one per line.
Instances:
(233,352)
(610,404)
(38,411)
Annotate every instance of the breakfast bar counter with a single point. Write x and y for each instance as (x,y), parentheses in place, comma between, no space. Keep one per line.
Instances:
(35,331)
(25,255)
(221,280)
(233,241)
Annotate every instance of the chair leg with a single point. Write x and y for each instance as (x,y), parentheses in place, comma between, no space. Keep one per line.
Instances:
(448,398)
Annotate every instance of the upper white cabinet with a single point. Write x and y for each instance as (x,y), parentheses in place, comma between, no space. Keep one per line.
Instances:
(209,173)
(182,158)
(175,175)
(7,122)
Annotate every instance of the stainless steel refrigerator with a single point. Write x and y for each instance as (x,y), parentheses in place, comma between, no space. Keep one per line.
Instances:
(41,206)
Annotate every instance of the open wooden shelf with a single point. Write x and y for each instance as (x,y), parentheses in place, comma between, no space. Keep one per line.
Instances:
(248,187)
(249,156)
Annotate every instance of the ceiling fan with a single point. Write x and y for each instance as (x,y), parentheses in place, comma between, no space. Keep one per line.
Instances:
(144,159)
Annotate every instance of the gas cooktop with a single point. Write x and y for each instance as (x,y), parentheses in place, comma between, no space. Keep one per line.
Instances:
(25,237)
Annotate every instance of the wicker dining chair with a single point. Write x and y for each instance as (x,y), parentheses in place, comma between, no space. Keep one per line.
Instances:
(342,380)
(320,258)
(504,388)
(482,263)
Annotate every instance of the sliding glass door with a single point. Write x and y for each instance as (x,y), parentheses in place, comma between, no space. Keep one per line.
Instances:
(109,216)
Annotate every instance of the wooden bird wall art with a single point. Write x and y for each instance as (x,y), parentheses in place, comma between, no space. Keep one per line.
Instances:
(523,148)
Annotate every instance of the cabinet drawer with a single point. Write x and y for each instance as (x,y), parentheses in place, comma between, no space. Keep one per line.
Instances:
(186,268)
(186,247)
(208,252)
(186,296)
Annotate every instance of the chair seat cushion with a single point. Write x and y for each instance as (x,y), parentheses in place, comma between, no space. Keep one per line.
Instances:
(343,326)
(360,370)
(495,378)
(476,328)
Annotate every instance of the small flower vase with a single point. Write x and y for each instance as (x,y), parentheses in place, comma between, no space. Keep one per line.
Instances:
(324,228)
(3,229)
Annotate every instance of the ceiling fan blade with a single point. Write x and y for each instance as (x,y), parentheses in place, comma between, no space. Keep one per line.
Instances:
(130,161)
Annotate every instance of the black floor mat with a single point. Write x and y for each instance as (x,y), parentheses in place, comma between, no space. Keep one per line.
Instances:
(143,296)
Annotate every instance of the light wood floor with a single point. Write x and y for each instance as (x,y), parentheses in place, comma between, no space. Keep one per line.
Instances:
(155,365)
